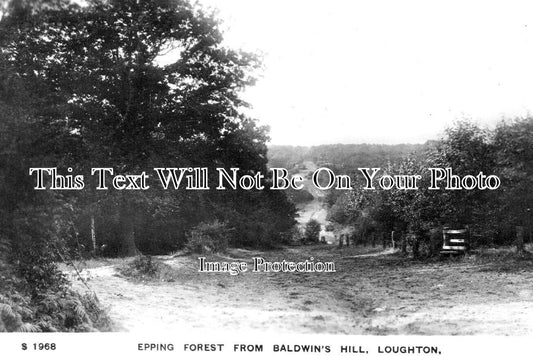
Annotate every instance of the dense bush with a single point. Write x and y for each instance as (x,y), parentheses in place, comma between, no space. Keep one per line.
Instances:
(209,238)
(312,231)
(59,310)
(141,266)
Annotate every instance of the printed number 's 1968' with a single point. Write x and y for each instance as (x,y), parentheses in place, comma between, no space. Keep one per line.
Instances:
(41,346)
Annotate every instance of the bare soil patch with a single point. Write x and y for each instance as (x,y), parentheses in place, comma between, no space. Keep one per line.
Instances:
(372,292)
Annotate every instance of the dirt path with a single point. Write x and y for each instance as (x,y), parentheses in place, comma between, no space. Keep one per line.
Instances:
(314,209)
(375,293)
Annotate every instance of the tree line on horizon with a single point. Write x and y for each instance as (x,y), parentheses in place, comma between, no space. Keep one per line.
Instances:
(343,158)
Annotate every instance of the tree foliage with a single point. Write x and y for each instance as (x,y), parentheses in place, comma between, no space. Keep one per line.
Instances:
(312,231)
(133,85)
(467,149)
(129,85)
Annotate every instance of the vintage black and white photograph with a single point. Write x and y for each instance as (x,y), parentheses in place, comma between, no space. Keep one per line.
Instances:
(338,167)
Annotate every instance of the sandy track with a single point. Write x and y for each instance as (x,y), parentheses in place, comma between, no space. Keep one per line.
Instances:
(377,294)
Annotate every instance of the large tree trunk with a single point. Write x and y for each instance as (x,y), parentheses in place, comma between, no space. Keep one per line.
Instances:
(128,246)
(435,241)
(403,239)
(519,242)
(416,246)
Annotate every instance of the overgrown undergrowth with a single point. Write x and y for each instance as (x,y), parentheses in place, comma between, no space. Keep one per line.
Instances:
(62,310)
(35,296)
(145,268)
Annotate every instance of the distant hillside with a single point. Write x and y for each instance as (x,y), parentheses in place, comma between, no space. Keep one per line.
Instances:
(344,157)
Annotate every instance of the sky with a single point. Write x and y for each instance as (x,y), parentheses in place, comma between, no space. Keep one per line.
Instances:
(349,71)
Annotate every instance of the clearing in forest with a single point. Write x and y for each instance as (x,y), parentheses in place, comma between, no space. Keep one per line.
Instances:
(371,292)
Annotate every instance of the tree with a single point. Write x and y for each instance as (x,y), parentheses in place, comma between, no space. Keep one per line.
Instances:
(100,96)
(312,231)
(467,149)
(514,144)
